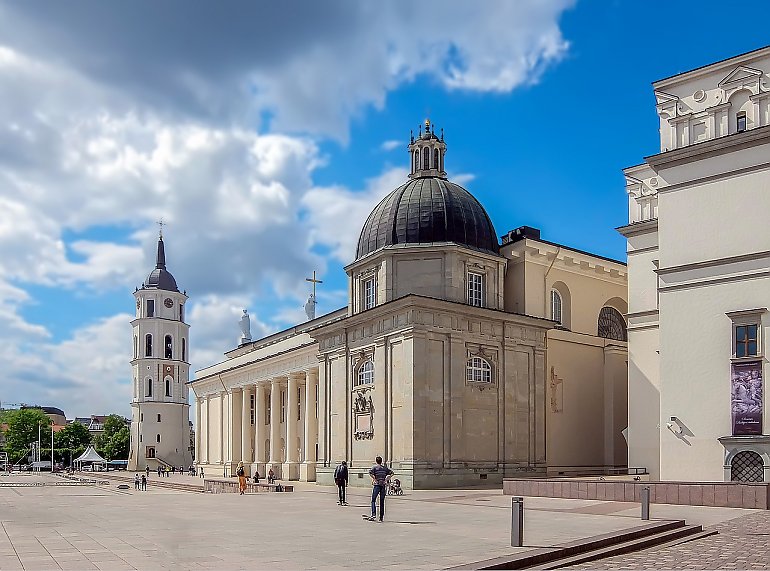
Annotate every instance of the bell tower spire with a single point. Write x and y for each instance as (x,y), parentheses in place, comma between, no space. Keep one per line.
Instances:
(427,153)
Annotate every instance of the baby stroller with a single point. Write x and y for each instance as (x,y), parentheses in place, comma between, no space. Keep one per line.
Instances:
(394,488)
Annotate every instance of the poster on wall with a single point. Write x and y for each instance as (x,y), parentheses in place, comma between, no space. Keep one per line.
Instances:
(746,398)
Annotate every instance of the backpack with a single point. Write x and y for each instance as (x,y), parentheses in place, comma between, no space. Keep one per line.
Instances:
(240,471)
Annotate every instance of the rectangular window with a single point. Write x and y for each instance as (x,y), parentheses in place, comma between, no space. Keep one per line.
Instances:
(746,340)
(476,289)
(370,293)
(740,122)
(158,418)
(150,308)
(181,312)
(252,402)
(268,408)
(283,406)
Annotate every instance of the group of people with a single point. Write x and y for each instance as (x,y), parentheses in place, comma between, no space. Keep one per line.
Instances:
(381,477)
(140,483)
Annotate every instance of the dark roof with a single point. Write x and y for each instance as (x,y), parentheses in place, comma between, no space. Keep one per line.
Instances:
(47,409)
(160,277)
(427,210)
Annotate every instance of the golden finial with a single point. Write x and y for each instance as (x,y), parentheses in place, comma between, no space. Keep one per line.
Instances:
(427,123)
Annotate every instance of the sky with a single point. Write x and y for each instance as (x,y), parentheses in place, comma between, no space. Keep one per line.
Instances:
(263,133)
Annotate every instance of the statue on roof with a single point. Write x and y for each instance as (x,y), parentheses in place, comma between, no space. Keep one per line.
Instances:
(245,324)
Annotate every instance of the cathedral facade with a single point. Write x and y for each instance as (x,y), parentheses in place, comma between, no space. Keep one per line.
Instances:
(461,359)
(160,412)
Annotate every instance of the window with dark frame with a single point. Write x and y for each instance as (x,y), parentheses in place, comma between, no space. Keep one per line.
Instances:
(150,308)
(169,344)
(148,345)
(746,340)
(168,387)
(740,122)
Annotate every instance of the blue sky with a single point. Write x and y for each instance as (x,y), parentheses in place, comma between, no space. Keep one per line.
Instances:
(265,151)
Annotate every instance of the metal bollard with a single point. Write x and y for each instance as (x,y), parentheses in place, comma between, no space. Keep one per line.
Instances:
(646,502)
(517,521)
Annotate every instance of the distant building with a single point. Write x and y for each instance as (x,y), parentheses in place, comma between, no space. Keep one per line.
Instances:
(699,278)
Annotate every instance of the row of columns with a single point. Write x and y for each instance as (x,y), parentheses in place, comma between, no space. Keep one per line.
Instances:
(236,421)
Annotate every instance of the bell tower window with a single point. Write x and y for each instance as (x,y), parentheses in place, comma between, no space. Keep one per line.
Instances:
(184,349)
(169,345)
(435,159)
(426,158)
(148,345)
(150,308)
(148,391)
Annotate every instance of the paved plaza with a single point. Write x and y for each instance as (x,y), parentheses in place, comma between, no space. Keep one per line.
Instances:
(102,527)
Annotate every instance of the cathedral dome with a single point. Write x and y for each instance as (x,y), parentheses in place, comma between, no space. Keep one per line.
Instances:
(160,277)
(428,208)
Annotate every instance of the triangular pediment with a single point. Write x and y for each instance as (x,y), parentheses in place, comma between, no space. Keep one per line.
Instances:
(740,74)
(661,98)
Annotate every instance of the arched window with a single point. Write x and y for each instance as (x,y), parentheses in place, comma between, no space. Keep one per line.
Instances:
(556,306)
(148,345)
(169,345)
(168,387)
(148,388)
(416,161)
(426,158)
(184,349)
(441,161)
(435,159)
(157,438)
(612,325)
(136,346)
(747,466)
(478,370)
(365,374)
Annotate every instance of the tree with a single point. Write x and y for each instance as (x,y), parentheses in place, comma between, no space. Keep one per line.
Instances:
(23,430)
(71,441)
(113,443)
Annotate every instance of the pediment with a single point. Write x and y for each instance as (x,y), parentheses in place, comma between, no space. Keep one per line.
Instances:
(741,74)
(661,98)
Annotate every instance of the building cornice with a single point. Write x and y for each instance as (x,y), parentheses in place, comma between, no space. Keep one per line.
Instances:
(739,60)
(636,228)
(711,148)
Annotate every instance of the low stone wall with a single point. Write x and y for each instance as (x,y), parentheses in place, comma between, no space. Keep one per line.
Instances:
(222,486)
(722,494)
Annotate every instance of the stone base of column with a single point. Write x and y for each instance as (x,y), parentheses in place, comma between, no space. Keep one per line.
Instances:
(307,472)
(290,471)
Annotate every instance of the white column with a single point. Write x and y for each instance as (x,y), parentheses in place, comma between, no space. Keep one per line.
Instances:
(207,440)
(307,470)
(198,416)
(235,408)
(223,429)
(259,425)
(275,421)
(292,405)
(246,425)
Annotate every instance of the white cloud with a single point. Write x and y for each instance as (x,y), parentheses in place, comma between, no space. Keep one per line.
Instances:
(391,145)
(114,115)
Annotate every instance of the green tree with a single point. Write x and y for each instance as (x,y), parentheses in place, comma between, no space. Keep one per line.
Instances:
(23,430)
(71,441)
(113,443)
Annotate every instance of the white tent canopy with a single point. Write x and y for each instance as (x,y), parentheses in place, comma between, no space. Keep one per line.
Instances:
(90,456)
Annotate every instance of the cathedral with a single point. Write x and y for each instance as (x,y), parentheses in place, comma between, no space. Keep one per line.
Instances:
(461,357)
(160,412)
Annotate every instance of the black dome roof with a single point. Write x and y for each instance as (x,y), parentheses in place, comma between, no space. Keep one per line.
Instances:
(160,277)
(427,210)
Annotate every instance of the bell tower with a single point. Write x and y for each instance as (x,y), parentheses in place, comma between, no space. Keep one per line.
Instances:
(160,412)
(427,153)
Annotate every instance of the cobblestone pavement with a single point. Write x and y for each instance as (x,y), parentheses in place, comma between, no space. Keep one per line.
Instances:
(742,543)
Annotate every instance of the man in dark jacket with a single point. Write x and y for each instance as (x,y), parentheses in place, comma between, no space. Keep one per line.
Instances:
(341,479)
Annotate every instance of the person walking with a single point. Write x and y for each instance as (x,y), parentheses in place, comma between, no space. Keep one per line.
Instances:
(241,473)
(144,483)
(380,476)
(147,471)
(136,481)
(341,479)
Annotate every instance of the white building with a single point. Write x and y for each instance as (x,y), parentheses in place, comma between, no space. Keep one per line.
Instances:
(160,413)
(699,277)
(458,359)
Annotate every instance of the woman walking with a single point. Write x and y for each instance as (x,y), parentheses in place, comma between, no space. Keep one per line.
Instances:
(241,473)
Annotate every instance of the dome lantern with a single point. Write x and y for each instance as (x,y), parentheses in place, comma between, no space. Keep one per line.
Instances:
(427,153)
